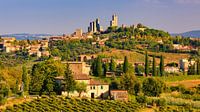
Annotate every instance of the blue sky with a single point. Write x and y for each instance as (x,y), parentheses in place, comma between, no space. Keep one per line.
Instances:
(64,16)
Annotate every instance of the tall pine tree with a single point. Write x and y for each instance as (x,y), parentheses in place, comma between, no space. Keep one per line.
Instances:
(146,64)
(154,66)
(125,66)
(161,65)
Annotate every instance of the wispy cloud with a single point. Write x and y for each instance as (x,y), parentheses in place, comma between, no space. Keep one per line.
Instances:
(153,1)
(175,1)
(188,1)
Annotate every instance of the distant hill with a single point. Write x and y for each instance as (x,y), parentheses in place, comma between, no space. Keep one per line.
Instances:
(25,36)
(195,34)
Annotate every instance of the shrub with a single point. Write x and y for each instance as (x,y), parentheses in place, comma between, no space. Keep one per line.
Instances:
(153,87)
(2,100)
(189,91)
(161,102)
(179,88)
(141,99)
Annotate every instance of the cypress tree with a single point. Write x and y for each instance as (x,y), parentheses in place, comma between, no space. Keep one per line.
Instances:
(154,66)
(112,65)
(191,70)
(198,67)
(25,79)
(93,67)
(161,65)
(99,67)
(195,68)
(69,82)
(105,68)
(146,63)
(125,66)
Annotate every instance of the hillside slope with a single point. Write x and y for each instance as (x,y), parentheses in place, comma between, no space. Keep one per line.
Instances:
(195,33)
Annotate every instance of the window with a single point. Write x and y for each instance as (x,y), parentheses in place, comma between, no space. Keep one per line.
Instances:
(93,87)
(101,87)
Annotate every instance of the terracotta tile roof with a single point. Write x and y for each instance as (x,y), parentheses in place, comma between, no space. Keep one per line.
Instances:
(76,77)
(81,77)
(97,82)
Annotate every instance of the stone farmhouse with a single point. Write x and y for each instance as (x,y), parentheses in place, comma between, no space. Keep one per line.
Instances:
(95,88)
(119,95)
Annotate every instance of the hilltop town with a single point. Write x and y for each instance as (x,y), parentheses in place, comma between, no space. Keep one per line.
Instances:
(124,63)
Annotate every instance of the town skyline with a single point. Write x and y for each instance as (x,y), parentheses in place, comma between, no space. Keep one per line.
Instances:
(174,16)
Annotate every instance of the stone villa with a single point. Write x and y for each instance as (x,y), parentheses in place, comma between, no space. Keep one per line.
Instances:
(95,88)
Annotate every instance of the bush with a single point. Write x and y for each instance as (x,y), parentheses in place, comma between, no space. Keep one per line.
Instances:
(161,102)
(153,87)
(141,99)
(189,91)
(183,90)
(179,88)
(2,100)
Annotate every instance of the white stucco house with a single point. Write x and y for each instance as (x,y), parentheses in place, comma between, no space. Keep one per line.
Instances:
(95,88)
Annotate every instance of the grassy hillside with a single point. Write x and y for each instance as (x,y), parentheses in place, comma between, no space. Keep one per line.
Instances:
(134,56)
(120,54)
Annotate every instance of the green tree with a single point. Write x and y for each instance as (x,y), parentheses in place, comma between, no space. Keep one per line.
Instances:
(139,69)
(137,87)
(191,69)
(81,87)
(4,91)
(115,84)
(198,67)
(4,88)
(162,65)
(69,82)
(154,66)
(112,65)
(146,63)
(37,79)
(105,67)
(43,77)
(126,64)
(127,82)
(153,87)
(25,79)
(99,68)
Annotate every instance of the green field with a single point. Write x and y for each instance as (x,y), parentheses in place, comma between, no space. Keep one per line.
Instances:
(175,78)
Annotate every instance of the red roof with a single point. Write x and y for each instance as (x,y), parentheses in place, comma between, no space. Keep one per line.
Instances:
(97,82)
(81,77)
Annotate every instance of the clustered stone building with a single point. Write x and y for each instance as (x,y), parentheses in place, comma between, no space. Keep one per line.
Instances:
(114,21)
(95,26)
(39,49)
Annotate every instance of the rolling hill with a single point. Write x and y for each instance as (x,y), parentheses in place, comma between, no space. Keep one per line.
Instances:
(194,33)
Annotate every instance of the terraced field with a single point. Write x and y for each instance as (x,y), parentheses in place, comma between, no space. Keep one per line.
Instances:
(61,104)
